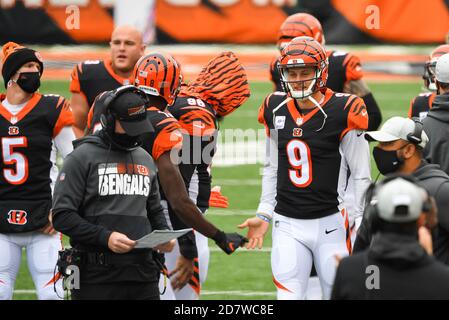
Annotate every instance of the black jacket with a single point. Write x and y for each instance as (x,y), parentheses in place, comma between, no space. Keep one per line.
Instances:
(102,189)
(436,182)
(403,269)
(436,126)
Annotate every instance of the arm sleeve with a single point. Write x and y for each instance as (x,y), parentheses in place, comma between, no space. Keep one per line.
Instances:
(374,113)
(269,178)
(355,149)
(154,208)
(67,199)
(63,141)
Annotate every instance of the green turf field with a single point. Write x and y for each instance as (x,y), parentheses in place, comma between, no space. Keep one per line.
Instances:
(244,275)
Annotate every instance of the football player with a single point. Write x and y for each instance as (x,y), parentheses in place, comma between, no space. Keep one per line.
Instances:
(220,88)
(345,70)
(92,77)
(421,104)
(159,76)
(312,133)
(32,128)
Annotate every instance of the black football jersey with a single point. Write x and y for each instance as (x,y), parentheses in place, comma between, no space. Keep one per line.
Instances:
(199,127)
(421,105)
(92,77)
(26,145)
(309,159)
(343,67)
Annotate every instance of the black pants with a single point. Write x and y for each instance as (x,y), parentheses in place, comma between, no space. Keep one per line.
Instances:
(117,291)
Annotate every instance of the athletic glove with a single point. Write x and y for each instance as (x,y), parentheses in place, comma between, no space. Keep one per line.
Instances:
(229,242)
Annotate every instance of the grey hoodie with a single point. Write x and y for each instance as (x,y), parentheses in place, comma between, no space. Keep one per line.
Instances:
(436,126)
(102,189)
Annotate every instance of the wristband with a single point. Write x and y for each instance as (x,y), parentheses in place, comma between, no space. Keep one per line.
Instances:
(264,218)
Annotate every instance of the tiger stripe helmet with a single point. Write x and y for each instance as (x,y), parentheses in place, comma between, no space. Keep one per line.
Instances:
(304,52)
(429,67)
(298,25)
(158,74)
(222,83)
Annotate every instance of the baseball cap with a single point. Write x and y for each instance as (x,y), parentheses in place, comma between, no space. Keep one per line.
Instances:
(400,200)
(394,129)
(129,108)
(442,69)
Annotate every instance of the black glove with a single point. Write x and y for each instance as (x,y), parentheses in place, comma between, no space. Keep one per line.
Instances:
(229,242)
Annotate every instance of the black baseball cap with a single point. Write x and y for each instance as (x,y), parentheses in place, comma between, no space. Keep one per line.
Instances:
(129,108)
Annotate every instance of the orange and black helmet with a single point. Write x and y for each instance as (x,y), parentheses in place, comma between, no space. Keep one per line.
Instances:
(298,25)
(303,52)
(158,74)
(429,67)
(222,83)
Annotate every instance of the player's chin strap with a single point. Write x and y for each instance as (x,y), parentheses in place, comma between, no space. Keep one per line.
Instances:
(322,111)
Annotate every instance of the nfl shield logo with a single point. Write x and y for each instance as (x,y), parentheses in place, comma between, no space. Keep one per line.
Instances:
(299,121)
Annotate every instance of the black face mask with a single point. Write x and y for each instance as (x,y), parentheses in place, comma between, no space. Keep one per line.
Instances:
(387,161)
(122,140)
(29,81)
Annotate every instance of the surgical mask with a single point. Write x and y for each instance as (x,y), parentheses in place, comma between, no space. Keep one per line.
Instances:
(29,81)
(387,161)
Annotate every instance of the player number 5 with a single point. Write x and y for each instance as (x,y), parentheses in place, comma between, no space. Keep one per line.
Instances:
(298,154)
(20,174)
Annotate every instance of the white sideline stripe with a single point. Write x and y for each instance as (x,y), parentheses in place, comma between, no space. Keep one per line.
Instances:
(243,250)
(203,292)
(238,293)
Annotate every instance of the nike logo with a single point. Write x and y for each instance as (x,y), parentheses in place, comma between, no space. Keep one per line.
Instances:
(327,232)
(359,134)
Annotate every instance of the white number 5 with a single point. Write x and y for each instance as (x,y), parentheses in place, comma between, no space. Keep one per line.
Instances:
(20,174)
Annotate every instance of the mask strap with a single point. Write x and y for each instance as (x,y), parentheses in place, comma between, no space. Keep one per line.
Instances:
(321,110)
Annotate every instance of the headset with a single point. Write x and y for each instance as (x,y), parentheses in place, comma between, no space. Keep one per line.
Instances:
(372,210)
(107,118)
(416,136)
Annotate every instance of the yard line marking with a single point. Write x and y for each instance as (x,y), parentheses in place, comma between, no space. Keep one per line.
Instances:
(227,212)
(242,250)
(237,182)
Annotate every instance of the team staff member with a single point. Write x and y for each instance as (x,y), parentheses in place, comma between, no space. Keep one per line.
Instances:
(400,150)
(400,250)
(436,123)
(32,128)
(106,197)
(92,77)
(421,104)
(312,133)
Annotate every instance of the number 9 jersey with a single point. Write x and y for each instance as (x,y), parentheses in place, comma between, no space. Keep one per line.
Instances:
(308,152)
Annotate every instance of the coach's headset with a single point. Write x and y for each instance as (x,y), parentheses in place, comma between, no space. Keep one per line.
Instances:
(107,118)
(373,210)
(416,136)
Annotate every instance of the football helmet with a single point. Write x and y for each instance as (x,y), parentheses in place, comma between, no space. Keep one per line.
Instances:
(429,67)
(298,25)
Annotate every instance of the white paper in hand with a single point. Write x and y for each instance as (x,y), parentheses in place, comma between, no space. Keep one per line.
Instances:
(158,237)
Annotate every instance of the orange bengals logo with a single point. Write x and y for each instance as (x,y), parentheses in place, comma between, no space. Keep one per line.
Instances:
(13,130)
(18,217)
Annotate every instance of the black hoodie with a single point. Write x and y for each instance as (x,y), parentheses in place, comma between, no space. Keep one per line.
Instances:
(394,267)
(436,126)
(436,182)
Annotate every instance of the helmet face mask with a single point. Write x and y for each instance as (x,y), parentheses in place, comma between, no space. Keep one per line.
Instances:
(303,67)
(304,87)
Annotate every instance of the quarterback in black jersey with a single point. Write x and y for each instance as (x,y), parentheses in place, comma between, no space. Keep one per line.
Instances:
(312,134)
(345,70)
